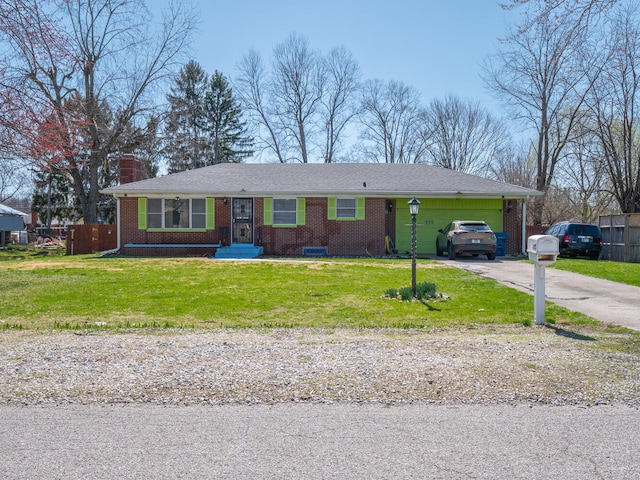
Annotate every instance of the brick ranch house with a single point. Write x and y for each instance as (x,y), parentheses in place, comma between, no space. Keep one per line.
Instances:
(244,210)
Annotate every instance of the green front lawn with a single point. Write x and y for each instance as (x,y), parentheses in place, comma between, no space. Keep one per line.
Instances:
(43,292)
(628,273)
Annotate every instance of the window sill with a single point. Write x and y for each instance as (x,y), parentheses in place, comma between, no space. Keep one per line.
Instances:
(177,230)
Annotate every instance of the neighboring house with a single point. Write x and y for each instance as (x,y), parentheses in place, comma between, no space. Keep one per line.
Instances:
(12,221)
(338,209)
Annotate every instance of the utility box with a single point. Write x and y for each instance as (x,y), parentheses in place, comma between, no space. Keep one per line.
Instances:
(543,249)
(501,243)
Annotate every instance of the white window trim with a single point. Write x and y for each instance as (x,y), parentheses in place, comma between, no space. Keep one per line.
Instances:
(355,208)
(273,210)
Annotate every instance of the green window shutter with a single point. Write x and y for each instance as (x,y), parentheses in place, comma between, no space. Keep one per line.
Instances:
(301,207)
(142,213)
(332,208)
(360,208)
(211,213)
(268,211)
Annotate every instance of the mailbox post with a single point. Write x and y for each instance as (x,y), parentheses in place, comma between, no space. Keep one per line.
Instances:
(543,250)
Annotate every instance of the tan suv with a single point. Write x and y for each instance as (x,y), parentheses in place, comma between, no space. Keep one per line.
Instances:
(466,237)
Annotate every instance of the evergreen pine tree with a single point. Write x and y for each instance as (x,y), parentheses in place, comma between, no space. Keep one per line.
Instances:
(204,125)
(52,198)
(186,144)
(227,132)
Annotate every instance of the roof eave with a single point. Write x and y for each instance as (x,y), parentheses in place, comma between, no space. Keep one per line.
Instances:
(355,193)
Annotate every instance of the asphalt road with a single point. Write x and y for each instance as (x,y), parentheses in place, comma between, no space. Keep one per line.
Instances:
(606,301)
(306,441)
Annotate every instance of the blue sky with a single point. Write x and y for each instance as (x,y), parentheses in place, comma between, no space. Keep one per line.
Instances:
(436,46)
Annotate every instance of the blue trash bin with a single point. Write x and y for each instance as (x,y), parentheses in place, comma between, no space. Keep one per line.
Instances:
(501,243)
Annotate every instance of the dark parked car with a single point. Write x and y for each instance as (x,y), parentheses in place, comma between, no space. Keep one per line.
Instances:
(466,236)
(575,239)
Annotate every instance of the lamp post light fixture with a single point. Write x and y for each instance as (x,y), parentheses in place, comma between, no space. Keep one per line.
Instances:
(414,206)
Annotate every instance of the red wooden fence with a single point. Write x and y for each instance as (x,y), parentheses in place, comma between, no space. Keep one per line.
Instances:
(83,239)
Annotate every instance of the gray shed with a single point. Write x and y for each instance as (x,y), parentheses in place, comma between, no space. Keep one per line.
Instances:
(11,220)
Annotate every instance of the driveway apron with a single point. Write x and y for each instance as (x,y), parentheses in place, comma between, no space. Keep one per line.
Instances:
(603,300)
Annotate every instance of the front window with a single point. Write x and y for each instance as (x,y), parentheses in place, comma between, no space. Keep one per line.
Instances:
(154,213)
(178,213)
(198,213)
(284,211)
(346,208)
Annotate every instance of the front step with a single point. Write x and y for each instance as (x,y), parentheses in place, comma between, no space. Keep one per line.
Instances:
(239,251)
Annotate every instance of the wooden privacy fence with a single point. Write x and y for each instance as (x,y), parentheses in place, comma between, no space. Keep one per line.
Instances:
(83,239)
(620,237)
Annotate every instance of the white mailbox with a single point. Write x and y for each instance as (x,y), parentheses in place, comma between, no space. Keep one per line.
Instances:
(543,249)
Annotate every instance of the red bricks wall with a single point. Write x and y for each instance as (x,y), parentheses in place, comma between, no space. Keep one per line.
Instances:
(131,234)
(512,225)
(130,169)
(343,237)
(349,238)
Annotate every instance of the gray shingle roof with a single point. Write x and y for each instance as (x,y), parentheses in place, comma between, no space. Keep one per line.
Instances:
(319,179)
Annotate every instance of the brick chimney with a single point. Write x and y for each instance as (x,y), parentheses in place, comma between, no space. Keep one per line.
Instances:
(130,169)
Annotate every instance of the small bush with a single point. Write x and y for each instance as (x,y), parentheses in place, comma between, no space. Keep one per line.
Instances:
(424,291)
(391,292)
(406,293)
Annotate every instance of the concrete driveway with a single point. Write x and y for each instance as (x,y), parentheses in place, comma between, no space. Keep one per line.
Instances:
(606,301)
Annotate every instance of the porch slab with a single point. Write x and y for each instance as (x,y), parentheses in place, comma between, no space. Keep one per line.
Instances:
(239,251)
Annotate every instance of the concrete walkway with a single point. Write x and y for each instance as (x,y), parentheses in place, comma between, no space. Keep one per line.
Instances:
(606,301)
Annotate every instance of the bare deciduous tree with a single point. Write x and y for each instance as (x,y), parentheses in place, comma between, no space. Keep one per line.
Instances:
(14,177)
(613,102)
(514,166)
(296,90)
(342,75)
(582,177)
(302,106)
(71,63)
(540,74)
(463,136)
(392,123)
(253,90)
(578,13)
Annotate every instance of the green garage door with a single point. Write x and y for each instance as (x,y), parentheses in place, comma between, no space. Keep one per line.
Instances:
(437,213)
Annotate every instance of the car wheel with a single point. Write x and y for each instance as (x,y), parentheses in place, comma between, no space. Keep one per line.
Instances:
(439,251)
(491,256)
(452,252)
(594,256)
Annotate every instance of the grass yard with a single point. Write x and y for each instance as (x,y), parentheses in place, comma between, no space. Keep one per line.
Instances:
(45,291)
(628,273)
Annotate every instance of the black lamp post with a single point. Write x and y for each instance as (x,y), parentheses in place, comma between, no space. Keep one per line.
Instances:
(414,206)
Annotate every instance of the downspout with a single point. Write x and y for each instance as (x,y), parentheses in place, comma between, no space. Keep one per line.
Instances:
(524,225)
(115,250)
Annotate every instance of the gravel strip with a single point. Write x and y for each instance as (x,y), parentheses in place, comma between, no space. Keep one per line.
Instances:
(486,365)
